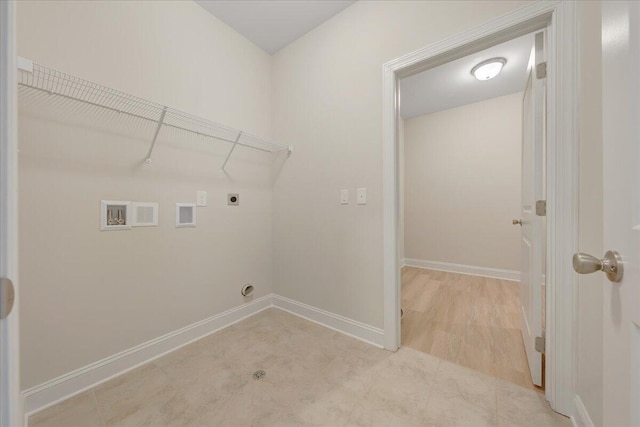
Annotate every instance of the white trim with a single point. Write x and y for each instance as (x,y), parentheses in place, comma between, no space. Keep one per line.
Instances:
(54,391)
(473,270)
(390,206)
(562,166)
(581,416)
(11,405)
(65,386)
(352,328)
(562,215)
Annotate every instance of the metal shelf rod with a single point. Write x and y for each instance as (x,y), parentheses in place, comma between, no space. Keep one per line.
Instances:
(155,135)
(115,110)
(137,116)
(231,151)
(55,83)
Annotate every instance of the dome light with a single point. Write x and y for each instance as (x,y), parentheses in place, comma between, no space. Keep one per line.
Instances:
(488,69)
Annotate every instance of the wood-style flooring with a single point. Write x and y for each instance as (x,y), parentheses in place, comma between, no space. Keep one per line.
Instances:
(469,320)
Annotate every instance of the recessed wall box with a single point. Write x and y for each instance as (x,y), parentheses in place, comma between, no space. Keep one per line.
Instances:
(115,215)
(246,290)
(185,214)
(144,214)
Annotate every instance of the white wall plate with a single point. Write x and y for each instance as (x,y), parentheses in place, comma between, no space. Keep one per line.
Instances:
(201,198)
(115,215)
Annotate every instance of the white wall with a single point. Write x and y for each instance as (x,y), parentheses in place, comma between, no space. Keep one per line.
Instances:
(327,100)
(590,307)
(88,294)
(462,185)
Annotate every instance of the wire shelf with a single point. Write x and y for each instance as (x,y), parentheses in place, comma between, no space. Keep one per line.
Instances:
(45,80)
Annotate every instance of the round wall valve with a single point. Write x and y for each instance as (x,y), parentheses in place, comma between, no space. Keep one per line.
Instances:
(247,290)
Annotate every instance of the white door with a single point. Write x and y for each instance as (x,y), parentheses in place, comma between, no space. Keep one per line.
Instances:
(531,278)
(621,171)
(10,400)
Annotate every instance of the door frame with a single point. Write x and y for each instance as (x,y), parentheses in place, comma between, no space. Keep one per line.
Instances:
(559,18)
(11,402)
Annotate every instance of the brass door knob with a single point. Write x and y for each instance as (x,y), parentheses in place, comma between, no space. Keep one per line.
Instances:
(517,221)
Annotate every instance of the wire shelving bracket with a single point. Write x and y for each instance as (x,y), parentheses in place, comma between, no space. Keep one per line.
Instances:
(41,79)
(233,147)
(155,135)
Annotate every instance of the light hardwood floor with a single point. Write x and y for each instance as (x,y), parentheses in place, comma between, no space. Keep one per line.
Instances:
(469,320)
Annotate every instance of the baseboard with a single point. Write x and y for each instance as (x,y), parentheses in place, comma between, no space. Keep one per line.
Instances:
(344,325)
(581,416)
(494,273)
(51,392)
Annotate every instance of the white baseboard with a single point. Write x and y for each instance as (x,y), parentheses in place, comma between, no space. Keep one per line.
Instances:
(65,386)
(352,328)
(581,416)
(51,392)
(494,273)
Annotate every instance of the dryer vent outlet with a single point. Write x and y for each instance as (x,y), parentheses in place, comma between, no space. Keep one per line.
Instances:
(247,290)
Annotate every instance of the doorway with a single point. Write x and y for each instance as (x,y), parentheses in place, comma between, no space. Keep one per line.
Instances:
(465,233)
(557,19)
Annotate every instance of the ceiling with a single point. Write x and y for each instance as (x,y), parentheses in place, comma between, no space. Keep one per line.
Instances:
(273,24)
(452,84)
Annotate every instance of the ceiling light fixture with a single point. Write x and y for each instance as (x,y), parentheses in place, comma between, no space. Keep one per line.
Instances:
(488,69)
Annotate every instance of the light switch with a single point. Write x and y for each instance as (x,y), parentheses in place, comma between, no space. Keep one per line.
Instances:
(344,197)
(201,198)
(362,196)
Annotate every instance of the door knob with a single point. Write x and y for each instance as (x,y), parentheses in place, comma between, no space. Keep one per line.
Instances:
(611,264)
(516,221)
(7,297)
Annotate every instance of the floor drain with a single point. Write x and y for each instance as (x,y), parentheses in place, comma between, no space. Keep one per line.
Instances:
(258,375)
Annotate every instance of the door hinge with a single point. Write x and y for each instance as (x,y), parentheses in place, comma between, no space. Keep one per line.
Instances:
(541,207)
(540,344)
(541,70)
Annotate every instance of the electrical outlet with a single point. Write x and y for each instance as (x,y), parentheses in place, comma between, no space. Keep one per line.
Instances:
(362,196)
(344,197)
(233,199)
(201,198)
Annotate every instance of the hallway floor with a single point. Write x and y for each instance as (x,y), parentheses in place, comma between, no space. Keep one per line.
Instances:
(469,320)
(314,377)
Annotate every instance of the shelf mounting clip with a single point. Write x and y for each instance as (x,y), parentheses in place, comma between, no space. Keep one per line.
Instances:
(155,136)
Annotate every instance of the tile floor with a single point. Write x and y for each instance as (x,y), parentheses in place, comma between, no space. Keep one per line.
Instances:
(469,320)
(314,377)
